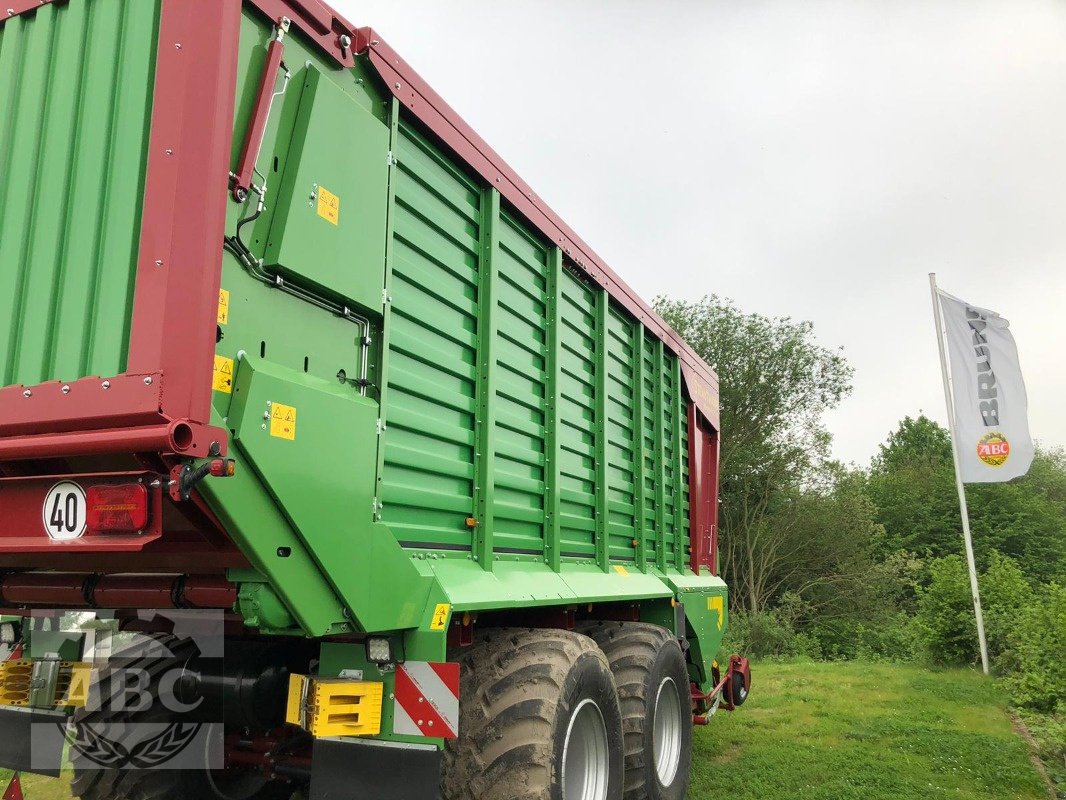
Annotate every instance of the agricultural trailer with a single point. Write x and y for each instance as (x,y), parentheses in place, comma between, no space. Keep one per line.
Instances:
(284,343)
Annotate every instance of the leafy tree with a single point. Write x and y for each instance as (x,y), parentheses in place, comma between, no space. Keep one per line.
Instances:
(912,483)
(777,382)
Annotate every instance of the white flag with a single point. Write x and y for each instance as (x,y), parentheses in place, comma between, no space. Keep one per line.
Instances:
(991,414)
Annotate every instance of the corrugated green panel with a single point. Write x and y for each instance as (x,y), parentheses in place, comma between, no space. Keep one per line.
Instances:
(472,321)
(428,478)
(670,471)
(685,500)
(521,375)
(640,490)
(577,402)
(621,444)
(75,89)
(553,374)
(487,378)
(653,458)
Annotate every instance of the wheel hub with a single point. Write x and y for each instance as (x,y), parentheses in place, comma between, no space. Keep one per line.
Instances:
(666,733)
(586,762)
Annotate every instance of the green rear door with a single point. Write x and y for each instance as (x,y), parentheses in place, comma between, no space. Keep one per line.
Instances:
(75,92)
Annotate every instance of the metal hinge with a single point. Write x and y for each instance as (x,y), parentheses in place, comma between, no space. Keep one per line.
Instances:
(381,427)
(391,160)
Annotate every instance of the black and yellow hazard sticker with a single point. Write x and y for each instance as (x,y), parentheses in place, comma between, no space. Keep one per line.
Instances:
(283,421)
(329,205)
(440,617)
(223,380)
(223,307)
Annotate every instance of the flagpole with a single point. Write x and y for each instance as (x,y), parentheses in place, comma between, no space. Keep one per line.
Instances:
(939,320)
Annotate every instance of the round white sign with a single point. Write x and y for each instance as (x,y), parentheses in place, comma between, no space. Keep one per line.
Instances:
(64,511)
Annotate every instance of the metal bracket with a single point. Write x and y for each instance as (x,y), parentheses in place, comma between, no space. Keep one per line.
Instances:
(264,101)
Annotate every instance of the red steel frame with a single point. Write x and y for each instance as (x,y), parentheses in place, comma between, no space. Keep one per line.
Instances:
(162,402)
(703,492)
(23,498)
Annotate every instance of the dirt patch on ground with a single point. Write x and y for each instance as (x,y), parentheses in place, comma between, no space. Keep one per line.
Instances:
(1034,748)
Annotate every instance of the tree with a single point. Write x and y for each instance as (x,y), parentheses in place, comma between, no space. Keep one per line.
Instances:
(912,483)
(776,384)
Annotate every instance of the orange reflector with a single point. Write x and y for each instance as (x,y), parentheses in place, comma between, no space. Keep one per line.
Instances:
(116,509)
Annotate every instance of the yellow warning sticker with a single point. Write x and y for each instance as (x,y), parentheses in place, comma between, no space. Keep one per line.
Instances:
(329,205)
(223,306)
(440,617)
(716,603)
(283,421)
(621,570)
(223,381)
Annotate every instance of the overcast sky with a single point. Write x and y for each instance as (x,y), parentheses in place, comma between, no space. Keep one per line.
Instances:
(814,159)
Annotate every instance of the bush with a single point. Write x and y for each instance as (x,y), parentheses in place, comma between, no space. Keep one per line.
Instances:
(760,635)
(1005,596)
(892,638)
(945,613)
(1018,624)
(1049,731)
(1039,641)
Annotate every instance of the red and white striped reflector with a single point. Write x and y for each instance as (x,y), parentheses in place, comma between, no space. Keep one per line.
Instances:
(427,700)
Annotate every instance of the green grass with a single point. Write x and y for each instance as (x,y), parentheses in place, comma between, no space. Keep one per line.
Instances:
(841,731)
(836,731)
(37,788)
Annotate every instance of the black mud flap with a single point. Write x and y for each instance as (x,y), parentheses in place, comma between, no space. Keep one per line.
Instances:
(349,769)
(32,740)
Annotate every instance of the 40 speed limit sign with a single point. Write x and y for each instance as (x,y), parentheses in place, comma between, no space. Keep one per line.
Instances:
(63,512)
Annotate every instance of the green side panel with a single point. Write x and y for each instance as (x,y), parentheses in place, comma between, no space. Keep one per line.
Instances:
(577,417)
(640,445)
(683,551)
(552,420)
(520,359)
(302,509)
(483,522)
(621,442)
(668,389)
(331,207)
(428,479)
(75,87)
(653,487)
(320,472)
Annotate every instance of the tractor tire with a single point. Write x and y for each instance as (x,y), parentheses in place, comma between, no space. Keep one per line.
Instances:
(163,784)
(538,720)
(653,690)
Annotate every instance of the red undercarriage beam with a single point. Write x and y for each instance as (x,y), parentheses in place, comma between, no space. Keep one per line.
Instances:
(73,590)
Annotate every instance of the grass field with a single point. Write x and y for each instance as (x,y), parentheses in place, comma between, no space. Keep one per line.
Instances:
(839,731)
(846,730)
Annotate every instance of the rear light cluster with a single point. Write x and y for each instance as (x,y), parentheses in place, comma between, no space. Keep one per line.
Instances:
(119,508)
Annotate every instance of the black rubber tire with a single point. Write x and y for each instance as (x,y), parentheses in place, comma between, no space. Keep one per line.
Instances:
(641,657)
(159,784)
(519,690)
(738,692)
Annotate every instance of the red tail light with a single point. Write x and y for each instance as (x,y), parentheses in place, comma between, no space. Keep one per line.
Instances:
(117,509)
